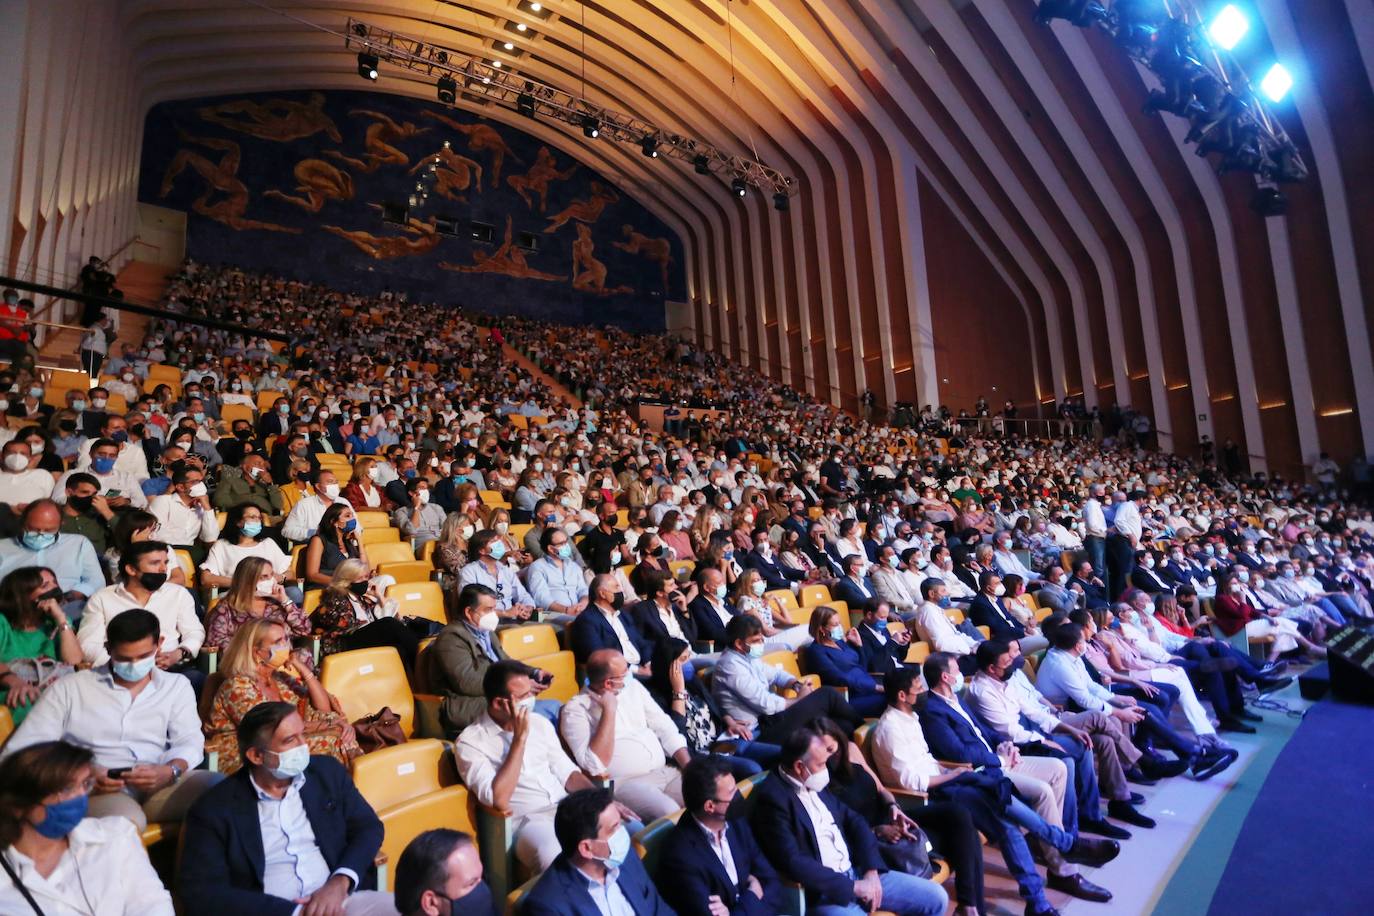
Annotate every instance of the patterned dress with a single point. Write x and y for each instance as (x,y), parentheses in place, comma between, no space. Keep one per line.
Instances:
(224,620)
(323,730)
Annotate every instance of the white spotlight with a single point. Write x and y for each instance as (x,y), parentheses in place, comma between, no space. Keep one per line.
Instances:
(1229,27)
(1277,82)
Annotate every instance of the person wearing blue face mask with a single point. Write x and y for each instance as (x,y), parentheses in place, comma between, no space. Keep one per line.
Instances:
(487,551)
(286,827)
(555,579)
(837,654)
(102,459)
(883,648)
(52,853)
(139,721)
(440,874)
(596,872)
(70,556)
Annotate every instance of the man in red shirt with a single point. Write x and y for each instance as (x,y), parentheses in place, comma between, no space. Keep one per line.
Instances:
(14,331)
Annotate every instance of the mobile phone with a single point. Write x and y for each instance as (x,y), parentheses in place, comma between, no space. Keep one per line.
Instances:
(113,494)
(118,772)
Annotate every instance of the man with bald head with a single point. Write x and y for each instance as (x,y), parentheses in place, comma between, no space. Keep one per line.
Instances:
(604,625)
(70,556)
(614,727)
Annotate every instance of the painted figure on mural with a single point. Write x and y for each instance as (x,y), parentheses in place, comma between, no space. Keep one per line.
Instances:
(319,182)
(281,120)
(482,138)
(454,173)
(586,211)
(381,135)
(659,250)
(509,260)
(589,274)
(222,181)
(420,238)
(537,179)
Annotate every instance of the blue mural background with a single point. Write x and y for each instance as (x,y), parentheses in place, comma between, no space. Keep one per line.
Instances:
(293,182)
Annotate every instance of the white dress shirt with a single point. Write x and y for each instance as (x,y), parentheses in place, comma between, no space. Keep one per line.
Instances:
(172,604)
(720,845)
(293,866)
(1061,677)
(25,487)
(1001,705)
(953,584)
(483,746)
(131,459)
(900,753)
(627,645)
(610,900)
(182,524)
(225,557)
(103,872)
(1094,521)
(644,734)
(158,725)
(935,628)
(305,516)
(116,480)
(829,838)
(1127,521)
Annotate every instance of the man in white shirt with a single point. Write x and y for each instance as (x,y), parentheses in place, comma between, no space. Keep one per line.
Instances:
(118,488)
(1123,541)
(512,761)
(184,514)
(131,459)
(305,515)
(942,568)
(140,722)
(935,627)
(20,486)
(1006,562)
(615,727)
(889,582)
(1095,530)
(555,580)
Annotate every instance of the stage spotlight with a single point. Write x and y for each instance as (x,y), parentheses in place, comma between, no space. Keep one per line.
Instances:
(649,146)
(702,165)
(1228,27)
(1269,202)
(448,89)
(1276,83)
(525,104)
(367,66)
(739,188)
(591,127)
(520,27)
(509,45)
(1082,13)
(781,202)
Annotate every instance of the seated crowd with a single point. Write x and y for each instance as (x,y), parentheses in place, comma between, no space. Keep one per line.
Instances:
(824,646)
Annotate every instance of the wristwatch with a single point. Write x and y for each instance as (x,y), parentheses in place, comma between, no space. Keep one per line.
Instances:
(177,772)
(680,696)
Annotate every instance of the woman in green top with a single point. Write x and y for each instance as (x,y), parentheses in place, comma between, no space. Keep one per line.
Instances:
(32,625)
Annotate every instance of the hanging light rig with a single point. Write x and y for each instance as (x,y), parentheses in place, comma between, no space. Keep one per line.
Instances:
(419,195)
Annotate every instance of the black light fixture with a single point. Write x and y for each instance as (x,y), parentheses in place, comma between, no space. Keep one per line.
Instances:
(738,187)
(1081,13)
(649,146)
(702,165)
(448,89)
(525,104)
(367,65)
(1269,202)
(781,202)
(591,127)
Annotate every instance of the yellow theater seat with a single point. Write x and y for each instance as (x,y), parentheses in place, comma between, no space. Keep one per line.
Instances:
(419,599)
(528,641)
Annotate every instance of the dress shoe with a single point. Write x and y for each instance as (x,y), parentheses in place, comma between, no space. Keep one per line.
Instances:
(1162,769)
(1212,763)
(1078,886)
(1049,911)
(1270,684)
(1093,853)
(1137,798)
(1103,828)
(1125,811)
(1247,715)
(1135,775)
(1230,724)
(1273,669)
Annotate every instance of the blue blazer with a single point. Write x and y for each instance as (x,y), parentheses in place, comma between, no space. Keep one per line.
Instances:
(689,872)
(224,859)
(1096,595)
(776,575)
(845,590)
(951,737)
(708,621)
(784,830)
(590,630)
(840,666)
(984,613)
(881,659)
(562,891)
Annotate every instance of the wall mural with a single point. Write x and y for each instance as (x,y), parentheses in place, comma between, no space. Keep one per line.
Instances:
(294,183)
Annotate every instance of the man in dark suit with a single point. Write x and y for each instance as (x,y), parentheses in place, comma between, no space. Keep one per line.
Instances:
(596,858)
(816,840)
(709,862)
(884,652)
(766,562)
(709,605)
(664,608)
(1145,577)
(285,453)
(286,829)
(1094,589)
(986,612)
(240,442)
(275,422)
(602,625)
(854,589)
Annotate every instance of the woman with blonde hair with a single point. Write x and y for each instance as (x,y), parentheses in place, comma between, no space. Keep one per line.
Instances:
(254,593)
(258,667)
(353,614)
(451,547)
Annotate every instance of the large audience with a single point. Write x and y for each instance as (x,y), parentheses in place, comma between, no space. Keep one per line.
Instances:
(841,654)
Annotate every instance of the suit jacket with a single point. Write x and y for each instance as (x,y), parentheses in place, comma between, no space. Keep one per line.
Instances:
(708,621)
(784,830)
(689,872)
(775,574)
(590,630)
(224,860)
(1096,594)
(952,738)
(562,891)
(645,615)
(1002,625)
(281,464)
(1149,581)
(453,668)
(845,590)
(397,493)
(878,658)
(273,424)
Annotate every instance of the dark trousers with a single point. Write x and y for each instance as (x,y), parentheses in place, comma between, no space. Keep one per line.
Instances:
(91,361)
(1222,688)
(388,631)
(952,833)
(1120,563)
(827,702)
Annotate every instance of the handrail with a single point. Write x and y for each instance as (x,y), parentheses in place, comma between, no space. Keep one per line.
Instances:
(1052,428)
(109,257)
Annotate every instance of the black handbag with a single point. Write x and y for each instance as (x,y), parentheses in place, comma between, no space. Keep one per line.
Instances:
(908,855)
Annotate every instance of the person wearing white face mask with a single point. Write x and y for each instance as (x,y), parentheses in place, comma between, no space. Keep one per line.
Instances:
(422,520)
(19,485)
(186,519)
(305,515)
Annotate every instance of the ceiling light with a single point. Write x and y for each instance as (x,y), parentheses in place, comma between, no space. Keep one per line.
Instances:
(1229,27)
(496,64)
(520,27)
(367,65)
(536,7)
(649,146)
(591,127)
(738,187)
(1277,82)
(509,46)
(447,89)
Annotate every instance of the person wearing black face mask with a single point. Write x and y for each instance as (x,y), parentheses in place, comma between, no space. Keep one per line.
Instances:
(439,874)
(143,583)
(86,512)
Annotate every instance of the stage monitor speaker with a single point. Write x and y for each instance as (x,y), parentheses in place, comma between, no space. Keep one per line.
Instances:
(1314,683)
(1350,656)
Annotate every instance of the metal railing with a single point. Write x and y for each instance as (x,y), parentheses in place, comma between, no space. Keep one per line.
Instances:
(1028,428)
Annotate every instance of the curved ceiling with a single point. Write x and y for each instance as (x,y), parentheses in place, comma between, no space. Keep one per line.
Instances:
(1142,276)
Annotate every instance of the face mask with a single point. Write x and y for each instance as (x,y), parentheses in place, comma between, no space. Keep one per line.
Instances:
(284,409)
(502,527)
(720,591)
(1000,590)
(267,587)
(837,633)
(564,551)
(152,581)
(618,600)
(35,393)
(760,587)
(1289,574)
(477,900)
(958,682)
(488,621)
(102,465)
(818,780)
(424,496)
(78,405)
(16,462)
(1148,563)
(39,540)
(133,672)
(61,818)
(197,490)
(292,763)
(279,653)
(756,650)
(527,704)
(945,602)
(252,529)
(350,526)
(80,503)
(466,532)
(615,557)
(498,549)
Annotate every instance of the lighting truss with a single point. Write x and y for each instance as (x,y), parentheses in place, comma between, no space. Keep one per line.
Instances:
(480,81)
(1200,81)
